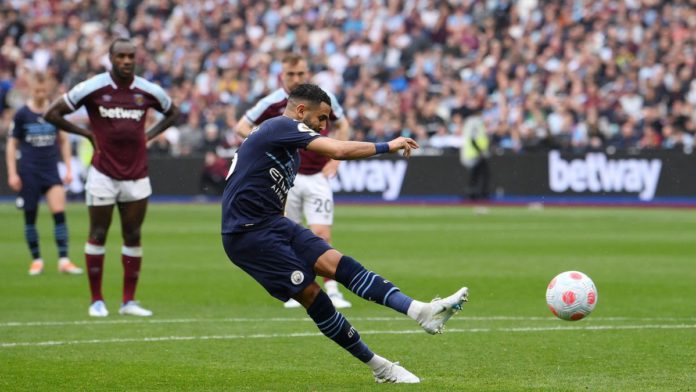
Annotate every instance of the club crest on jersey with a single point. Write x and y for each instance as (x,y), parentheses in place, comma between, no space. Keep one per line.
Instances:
(139,99)
(302,127)
(297,277)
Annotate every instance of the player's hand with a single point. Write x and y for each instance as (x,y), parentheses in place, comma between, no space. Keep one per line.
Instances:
(403,143)
(331,168)
(14,182)
(67,179)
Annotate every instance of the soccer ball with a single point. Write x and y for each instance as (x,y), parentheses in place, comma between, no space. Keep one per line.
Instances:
(571,295)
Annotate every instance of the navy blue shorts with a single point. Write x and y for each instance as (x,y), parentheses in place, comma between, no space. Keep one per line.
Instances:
(34,184)
(280,256)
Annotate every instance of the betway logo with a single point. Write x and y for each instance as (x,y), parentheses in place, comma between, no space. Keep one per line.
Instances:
(598,174)
(370,176)
(132,114)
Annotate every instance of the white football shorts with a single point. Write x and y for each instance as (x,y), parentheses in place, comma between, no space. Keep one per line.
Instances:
(102,190)
(312,197)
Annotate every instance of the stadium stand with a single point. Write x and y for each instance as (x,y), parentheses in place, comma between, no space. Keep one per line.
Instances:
(575,75)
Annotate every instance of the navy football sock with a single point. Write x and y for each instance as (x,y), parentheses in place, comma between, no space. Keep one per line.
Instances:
(30,233)
(370,286)
(60,231)
(337,328)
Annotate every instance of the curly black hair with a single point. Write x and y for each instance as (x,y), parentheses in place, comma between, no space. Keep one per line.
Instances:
(309,93)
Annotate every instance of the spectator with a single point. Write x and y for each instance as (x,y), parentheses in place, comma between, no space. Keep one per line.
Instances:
(543,66)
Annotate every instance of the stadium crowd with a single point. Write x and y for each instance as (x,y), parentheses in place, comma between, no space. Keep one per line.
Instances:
(573,74)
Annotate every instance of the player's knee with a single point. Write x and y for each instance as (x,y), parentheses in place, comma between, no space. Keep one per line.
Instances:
(131,237)
(97,235)
(307,296)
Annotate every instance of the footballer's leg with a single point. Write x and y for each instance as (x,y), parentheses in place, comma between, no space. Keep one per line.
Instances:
(132,217)
(31,235)
(55,198)
(323,231)
(334,326)
(293,211)
(431,316)
(28,201)
(318,209)
(99,222)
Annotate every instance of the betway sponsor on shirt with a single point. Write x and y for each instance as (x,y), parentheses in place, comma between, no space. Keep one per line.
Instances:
(599,174)
(121,113)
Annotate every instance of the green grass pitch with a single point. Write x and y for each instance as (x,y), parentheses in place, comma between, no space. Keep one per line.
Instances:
(215,329)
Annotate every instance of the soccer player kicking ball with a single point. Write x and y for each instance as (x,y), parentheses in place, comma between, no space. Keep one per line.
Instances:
(285,257)
(117,104)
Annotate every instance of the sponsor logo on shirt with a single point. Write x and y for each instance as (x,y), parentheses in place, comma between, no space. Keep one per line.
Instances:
(121,113)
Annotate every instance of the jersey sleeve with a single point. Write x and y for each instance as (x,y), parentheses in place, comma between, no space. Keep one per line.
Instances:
(163,100)
(16,128)
(295,134)
(336,109)
(76,96)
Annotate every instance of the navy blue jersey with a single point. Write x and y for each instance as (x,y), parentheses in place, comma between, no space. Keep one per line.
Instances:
(38,141)
(262,173)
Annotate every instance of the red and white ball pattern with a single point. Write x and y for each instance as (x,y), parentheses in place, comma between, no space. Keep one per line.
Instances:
(571,295)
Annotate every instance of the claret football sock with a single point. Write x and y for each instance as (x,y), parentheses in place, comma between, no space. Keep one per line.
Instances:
(332,324)
(94,257)
(370,285)
(131,258)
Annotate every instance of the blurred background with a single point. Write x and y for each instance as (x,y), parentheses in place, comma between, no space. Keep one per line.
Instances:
(503,82)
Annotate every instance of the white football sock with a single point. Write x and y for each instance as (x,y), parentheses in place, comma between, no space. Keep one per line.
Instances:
(415,309)
(377,362)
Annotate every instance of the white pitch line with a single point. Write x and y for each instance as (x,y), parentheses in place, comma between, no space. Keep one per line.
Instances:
(314,334)
(21,324)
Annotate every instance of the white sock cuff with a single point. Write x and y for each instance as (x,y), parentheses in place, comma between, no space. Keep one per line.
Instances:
(415,309)
(92,249)
(132,251)
(377,362)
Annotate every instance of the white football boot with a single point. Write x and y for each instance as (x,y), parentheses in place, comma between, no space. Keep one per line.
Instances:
(395,373)
(292,304)
(65,266)
(338,301)
(435,314)
(98,309)
(133,308)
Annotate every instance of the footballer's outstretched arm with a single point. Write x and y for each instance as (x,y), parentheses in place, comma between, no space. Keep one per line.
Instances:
(347,150)
(170,116)
(54,115)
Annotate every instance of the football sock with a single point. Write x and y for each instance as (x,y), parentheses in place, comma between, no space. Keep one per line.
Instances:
(335,327)
(370,286)
(131,258)
(60,231)
(30,233)
(377,362)
(94,258)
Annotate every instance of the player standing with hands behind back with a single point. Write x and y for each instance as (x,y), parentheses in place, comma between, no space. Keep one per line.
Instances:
(311,196)
(36,143)
(117,104)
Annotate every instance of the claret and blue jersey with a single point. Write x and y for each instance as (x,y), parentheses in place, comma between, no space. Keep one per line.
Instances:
(262,173)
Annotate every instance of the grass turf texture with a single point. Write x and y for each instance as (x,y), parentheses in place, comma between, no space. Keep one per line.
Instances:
(215,329)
